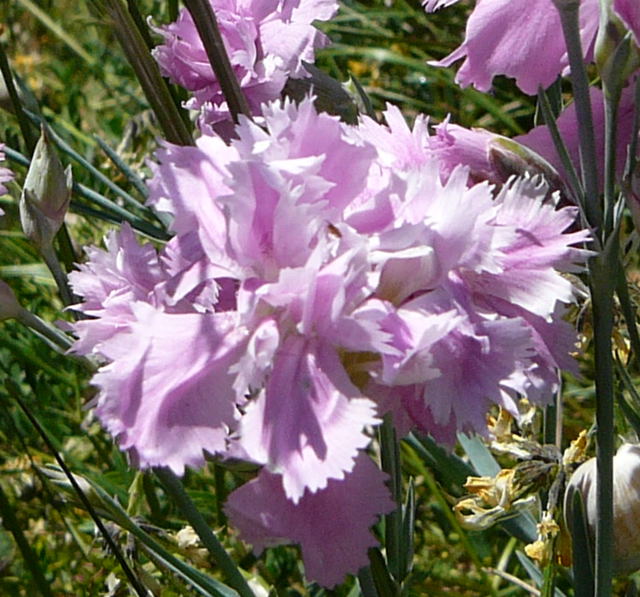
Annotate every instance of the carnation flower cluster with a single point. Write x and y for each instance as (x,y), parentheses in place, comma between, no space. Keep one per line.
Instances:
(320,276)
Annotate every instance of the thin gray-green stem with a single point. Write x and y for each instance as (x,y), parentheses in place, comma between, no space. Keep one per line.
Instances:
(602,270)
(147,71)
(207,26)
(568,10)
(390,457)
(52,334)
(611,103)
(23,121)
(51,260)
(175,489)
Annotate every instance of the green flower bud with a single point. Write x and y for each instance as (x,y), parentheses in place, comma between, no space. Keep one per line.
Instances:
(616,54)
(509,158)
(45,195)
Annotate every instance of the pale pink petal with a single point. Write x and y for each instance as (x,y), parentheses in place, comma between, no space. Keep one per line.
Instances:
(309,423)
(125,272)
(331,525)
(629,12)
(518,38)
(167,393)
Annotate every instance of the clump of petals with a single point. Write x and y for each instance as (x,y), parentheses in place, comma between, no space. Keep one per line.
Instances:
(266,42)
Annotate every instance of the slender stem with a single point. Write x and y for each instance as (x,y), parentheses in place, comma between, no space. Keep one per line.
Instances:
(34,322)
(603,281)
(51,260)
(10,522)
(132,578)
(148,74)
(574,183)
(611,103)
(23,121)
(175,489)
(568,10)
(207,26)
(390,457)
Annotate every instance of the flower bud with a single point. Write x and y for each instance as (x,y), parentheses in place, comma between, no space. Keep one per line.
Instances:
(10,308)
(626,504)
(45,195)
(616,53)
(510,158)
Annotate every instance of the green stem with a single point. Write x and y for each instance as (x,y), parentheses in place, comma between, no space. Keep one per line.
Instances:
(390,457)
(10,522)
(54,335)
(51,260)
(23,121)
(175,489)
(574,183)
(207,26)
(568,10)
(629,313)
(611,103)
(148,74)
(131,577)
(603,280)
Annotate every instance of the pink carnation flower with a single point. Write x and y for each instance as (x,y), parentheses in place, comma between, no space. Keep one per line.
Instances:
(315,281)
(517,38)
(267,42)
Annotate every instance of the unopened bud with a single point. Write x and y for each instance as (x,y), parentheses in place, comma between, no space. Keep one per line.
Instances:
(616,52)
(626,504)
(509,158)
(10,308)
(45,195)
(330,95)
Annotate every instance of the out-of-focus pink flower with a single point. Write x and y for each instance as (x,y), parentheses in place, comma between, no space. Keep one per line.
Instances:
(331,525)
(5,175)
(267,42)
(629,12)
(539,139)
(517,38)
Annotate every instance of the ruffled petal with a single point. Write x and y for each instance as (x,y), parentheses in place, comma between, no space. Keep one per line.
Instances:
(331,525)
